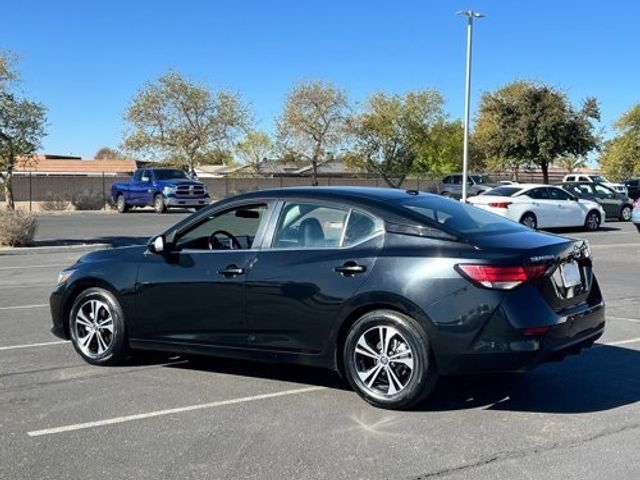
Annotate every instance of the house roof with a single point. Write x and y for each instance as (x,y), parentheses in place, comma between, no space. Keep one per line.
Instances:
(50,164)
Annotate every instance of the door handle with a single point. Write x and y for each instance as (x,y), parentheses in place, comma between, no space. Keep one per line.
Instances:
(350,268)
(231,271)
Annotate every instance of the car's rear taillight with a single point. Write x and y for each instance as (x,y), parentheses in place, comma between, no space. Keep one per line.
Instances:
(501,277)
(500,204)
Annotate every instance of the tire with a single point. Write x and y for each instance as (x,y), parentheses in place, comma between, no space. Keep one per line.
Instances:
(625,214)
(414,375)
(592,221)
(529,220)
(121,204)
(158,204)
(104,347)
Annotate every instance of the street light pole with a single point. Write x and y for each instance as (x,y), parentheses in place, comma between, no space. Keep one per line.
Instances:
(471,15)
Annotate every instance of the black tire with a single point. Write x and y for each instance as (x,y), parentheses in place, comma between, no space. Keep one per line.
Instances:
(411,385)
(529,220)
(117,346)
(158,204)
(625,214)
(121,204)
(592,221)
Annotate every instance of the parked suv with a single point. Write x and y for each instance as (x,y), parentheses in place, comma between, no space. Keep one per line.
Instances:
(160,188)
(451,185)
(633,187)
(616,205)
(591,178)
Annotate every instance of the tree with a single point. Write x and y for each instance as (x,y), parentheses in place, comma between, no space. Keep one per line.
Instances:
(311,126)
(394,131)
(22,126)
(526,122)
(571,163)
(188,123)
(620,158)
(107,153)
(254,149)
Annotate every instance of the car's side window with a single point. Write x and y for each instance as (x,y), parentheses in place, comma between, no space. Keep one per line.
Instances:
(144,177)
(308,225)
(538,194)
(571,179)
(360,226)
(447,180)
(559,194)
(456,179)
(583,179)
(136,175)
(233,229)
(585,190)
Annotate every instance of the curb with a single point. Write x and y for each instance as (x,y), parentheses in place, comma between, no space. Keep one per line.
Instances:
(85,247)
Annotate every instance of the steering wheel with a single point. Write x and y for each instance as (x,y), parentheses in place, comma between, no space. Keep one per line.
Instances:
(214,243)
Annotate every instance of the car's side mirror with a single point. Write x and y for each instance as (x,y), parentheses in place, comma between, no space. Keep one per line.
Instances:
(158,245)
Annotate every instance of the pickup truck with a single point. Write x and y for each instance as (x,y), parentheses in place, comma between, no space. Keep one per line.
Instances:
(160,188)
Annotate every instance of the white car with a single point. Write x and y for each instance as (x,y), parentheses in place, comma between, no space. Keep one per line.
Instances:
(589,177)
(541,206)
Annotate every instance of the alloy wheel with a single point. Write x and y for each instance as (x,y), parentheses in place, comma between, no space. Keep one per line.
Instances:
(94,328)
(383,360)
(529,221)
(626,214)
(593,221)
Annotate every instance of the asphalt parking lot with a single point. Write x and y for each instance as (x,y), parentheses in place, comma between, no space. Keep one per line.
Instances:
(175,418)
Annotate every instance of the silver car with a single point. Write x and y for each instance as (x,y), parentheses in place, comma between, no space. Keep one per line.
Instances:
(451,185)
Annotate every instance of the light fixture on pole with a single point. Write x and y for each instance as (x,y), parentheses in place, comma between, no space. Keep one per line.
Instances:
(471,15)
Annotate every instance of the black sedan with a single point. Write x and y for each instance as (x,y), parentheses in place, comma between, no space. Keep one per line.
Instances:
(391,288)
(615,205)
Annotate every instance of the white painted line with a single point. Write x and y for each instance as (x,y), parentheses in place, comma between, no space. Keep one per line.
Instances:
(634,320)
(623,342)
(45,265)
(170,411)
(32,345)
(20,307)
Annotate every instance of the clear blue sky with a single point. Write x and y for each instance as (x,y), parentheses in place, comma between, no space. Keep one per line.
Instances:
(85,60)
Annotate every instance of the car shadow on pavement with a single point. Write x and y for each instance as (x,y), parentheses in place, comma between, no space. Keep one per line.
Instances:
(602,378)
(271,371)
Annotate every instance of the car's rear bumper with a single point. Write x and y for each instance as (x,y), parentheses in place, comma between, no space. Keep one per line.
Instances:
(511,350)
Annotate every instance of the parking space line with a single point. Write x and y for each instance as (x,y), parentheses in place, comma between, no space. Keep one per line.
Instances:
(44,265)
(31,345)
(623,342)
(20,307)
(634,320)
(170,411)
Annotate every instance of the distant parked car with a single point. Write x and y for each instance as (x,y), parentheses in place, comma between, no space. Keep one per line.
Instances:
(451,185)
(541,206)
(160,188)
(633,187)
(591,178)
(616,205)
(635,215)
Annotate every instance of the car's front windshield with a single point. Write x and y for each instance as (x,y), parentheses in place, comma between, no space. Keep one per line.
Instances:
(171,174)
(458,218)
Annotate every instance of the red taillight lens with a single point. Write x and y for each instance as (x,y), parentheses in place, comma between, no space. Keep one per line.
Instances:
(535,331)
(502,277)
(500,204)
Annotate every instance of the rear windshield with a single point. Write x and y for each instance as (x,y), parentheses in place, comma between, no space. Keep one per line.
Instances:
(503,191)
(170,174)
(458,218)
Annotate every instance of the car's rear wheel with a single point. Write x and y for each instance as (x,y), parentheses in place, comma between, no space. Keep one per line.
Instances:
(592,221)
(158,204)
(97,327)
(625,213)
(121,204)
(529,220)
(387,360)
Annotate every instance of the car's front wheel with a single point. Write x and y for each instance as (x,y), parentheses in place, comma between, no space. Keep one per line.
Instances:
(387,360)
(625,213)
(97,327)
(121,204)
(158,204)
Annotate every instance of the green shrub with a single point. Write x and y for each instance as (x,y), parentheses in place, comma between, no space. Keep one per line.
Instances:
(17,228)
(88,200)
(54,203)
